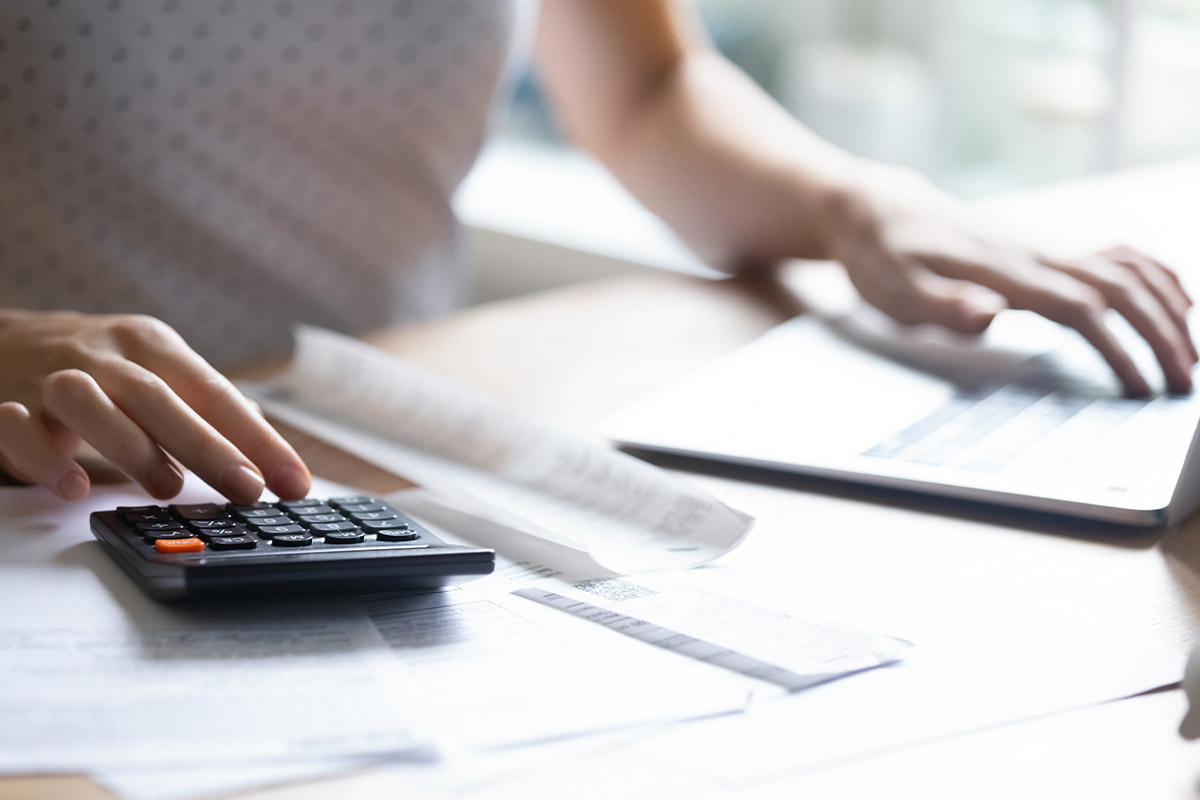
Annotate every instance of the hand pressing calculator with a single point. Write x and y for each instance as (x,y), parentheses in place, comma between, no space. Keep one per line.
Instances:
(344,544)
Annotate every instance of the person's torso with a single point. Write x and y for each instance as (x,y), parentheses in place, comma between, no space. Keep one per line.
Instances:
(233,166)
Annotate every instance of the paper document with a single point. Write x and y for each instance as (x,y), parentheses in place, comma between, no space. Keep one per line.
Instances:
(496,673)
(629,515)
(74,698)
(759,643)
(95,675)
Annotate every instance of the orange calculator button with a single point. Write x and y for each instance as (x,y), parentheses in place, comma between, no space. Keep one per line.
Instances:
(178,545)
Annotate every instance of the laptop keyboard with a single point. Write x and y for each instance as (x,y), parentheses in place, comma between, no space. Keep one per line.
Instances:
(1030,433)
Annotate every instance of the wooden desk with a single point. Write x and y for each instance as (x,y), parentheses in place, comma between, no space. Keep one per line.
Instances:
(575,354)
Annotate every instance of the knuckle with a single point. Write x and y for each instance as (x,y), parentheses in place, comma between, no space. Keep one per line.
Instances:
(13,417)
(1083,309)
(1123,294)
(207,391)
(143,382)
(70,352)
(133,386)
(1119,251)
(13,413)
(264,444)
(133,330)
(1089,300)
(206,452)
(67,388)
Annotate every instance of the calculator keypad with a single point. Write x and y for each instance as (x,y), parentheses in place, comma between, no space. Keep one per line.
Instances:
(287,524)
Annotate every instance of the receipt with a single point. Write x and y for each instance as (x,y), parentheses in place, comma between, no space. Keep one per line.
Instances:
(628,515)
(769,645)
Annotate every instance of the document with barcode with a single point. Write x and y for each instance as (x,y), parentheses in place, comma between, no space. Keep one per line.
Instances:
(768,645)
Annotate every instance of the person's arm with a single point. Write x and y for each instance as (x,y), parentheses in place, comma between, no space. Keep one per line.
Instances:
(637,83)
(132,388)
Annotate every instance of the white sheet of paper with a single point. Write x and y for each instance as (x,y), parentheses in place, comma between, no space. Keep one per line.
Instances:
(93,674)
(496,672)
(782,649)
(981,660)
(629,515)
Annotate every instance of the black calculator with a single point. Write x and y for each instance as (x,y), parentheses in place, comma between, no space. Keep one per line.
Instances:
(353,545)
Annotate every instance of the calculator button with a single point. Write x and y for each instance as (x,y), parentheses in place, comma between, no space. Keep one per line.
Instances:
(201,511)
(250,507)
(146,527)
(243,512)
(344,537)
(123,510)
(341,501)
(363,516)
(293,504)
(355,508)
(332,527)
(192,545)
(292,539)
(198,524)
(154,536)
(310,519)
(259,523)
(208,533)
(384,524)
(271,531)
(233,542)
(158,516)
(308,511)
(397,535)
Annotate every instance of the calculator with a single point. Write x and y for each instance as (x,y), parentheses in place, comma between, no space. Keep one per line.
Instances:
(352,545)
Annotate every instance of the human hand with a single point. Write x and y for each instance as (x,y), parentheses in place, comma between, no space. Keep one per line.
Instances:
(132,388)
(919,255)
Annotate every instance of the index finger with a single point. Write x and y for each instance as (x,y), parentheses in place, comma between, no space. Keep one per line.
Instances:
(1068,301)
(211,395)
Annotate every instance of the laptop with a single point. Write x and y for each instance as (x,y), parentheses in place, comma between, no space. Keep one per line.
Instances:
(1027,415)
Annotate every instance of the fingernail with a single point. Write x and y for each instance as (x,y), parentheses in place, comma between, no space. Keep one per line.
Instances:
(241,483)
(291,482)
(73,485)
(165,479)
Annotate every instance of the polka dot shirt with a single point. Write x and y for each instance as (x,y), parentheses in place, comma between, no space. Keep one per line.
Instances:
(237,166)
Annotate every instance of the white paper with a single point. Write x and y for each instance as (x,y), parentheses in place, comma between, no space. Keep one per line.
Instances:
(94,674)
(782,649)
(496,672)
(981,660)
(629,515)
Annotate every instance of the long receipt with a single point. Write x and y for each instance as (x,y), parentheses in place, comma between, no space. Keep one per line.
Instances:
(677,642)
(628,515)
(767,645)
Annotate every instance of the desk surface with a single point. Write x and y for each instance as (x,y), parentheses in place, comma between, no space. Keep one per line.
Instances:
(575,354)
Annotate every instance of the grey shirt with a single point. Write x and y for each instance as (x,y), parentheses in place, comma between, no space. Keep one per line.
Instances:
(236,166)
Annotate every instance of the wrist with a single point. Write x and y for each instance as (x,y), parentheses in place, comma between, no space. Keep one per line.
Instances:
(866,195)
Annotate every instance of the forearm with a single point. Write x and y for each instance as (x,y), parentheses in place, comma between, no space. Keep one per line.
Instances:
(727,167)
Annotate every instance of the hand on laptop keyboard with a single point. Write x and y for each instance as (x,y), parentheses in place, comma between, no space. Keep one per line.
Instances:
(919,255)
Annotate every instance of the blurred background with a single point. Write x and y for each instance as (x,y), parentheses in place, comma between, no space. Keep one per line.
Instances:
(982,95)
